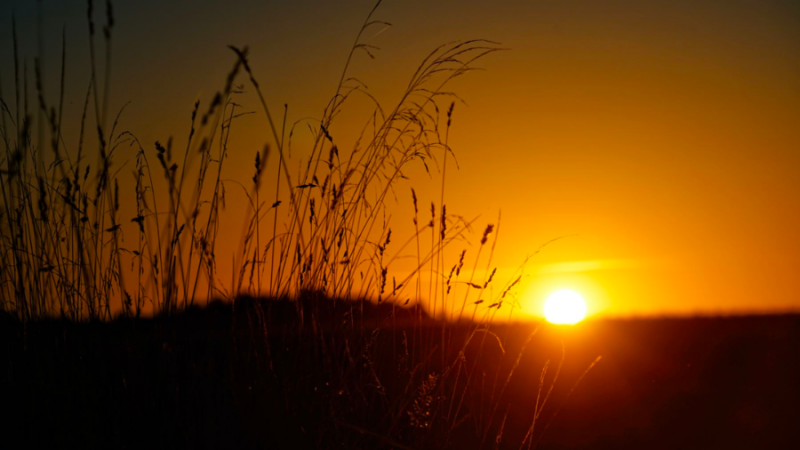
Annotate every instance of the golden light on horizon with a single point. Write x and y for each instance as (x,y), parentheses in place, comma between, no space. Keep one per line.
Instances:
(565,307)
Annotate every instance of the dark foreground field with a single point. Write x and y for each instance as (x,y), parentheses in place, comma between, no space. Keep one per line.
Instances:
(208,379)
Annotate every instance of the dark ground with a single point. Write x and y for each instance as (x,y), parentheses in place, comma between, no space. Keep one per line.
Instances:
(203,379)
(705,383)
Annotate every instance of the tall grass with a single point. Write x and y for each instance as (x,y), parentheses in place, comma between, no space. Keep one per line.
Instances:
(326,234)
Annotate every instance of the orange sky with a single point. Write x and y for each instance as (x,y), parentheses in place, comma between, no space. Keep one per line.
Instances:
(662,137)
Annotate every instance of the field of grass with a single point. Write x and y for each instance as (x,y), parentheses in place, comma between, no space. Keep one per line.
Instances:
(312,336)
(394,357)
(207,378)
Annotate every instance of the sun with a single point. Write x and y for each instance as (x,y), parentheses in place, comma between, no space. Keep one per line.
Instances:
(564,306)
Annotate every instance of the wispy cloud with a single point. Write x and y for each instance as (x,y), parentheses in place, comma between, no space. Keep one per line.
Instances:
(587,266)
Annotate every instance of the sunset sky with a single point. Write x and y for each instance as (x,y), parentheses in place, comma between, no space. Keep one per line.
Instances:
(660,139)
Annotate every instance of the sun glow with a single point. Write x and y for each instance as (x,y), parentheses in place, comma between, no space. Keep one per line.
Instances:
(564,307)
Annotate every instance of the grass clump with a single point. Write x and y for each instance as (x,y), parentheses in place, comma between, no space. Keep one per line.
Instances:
(321,251)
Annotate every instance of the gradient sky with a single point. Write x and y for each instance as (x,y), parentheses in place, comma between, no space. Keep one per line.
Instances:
(661,137)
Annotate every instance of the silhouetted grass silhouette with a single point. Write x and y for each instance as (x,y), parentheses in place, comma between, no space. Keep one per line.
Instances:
(341,358)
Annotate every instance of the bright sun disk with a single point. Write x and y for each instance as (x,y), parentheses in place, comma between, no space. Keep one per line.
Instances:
(564,306)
